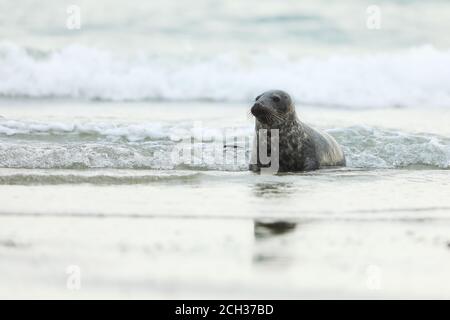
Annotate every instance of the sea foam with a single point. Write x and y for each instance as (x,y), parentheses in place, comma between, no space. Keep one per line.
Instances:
(90,144)
(417,77)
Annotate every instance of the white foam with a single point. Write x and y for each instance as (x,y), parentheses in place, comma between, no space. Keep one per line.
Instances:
(418,77)
(31,144)
(113,131)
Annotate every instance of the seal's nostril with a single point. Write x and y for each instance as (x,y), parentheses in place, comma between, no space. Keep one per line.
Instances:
(256,108)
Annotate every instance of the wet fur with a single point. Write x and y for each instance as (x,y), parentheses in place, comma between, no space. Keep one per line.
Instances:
(301,147)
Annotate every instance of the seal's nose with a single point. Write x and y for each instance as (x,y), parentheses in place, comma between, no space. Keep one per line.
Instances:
(256,109)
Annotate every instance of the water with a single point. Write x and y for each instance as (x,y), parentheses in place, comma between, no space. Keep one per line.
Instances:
(90,120)
(321,52)
(93,135)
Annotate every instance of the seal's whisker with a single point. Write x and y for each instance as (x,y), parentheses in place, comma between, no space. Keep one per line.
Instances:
(266,118)
(299,147)
(269,116)
(277,117)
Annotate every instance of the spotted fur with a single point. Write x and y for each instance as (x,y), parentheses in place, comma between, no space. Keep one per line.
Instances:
(301,148)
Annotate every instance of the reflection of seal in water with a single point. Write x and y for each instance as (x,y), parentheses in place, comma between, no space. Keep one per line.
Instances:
(301,147)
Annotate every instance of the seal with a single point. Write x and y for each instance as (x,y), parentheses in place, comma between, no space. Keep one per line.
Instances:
(300,147)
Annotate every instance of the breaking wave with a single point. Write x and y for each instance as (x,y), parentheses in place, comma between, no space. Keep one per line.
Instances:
(84,145)
(417,77)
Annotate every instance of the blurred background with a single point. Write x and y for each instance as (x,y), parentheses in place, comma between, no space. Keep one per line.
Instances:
(353,54)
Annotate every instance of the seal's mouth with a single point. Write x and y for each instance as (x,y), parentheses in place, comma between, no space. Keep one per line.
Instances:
(262,113)
(259,111)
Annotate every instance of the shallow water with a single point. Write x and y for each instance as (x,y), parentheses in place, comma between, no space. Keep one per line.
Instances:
(80,185)
(87,135)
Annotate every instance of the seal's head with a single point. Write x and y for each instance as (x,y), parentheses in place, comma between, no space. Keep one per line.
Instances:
(273,108)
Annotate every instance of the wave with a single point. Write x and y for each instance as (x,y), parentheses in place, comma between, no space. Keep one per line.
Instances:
(163,146)
(108,178)
(417,77)
(367,147)
(142,131)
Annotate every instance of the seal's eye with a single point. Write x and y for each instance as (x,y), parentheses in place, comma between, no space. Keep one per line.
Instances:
(256,99)
(276,98)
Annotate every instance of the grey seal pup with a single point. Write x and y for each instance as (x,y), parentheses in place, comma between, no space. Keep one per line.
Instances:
(300,147)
